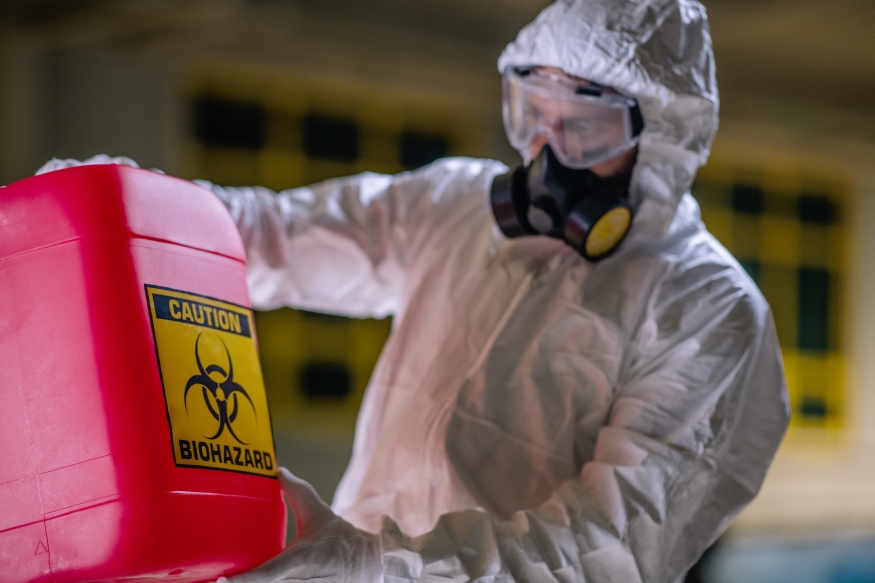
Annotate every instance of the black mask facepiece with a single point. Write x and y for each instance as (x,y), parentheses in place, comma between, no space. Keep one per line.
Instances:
(591,214)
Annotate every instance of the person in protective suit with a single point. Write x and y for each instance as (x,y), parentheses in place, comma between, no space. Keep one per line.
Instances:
(562,397)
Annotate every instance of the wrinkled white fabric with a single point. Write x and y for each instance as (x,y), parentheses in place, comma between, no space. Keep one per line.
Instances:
(534,417)
(58,164)
(325,548)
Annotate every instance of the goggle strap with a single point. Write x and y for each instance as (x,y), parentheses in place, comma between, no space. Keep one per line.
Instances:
(594,90)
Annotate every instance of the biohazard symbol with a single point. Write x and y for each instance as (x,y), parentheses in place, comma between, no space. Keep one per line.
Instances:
(223,391)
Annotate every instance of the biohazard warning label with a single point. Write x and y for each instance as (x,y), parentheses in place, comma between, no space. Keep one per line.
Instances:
(216,404)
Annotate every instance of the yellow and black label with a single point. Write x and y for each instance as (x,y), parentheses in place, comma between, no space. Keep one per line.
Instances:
(213,389)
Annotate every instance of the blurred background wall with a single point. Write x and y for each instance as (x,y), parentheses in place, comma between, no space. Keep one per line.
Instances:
(287,92)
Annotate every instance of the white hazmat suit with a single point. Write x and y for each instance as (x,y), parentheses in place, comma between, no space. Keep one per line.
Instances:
(533,416)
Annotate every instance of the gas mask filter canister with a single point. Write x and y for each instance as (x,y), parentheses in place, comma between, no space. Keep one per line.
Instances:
(590,213)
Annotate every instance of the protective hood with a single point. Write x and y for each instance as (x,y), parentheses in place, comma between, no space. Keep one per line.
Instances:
(658,51)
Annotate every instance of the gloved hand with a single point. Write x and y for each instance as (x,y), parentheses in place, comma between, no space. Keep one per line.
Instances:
(56,164)
(327,548)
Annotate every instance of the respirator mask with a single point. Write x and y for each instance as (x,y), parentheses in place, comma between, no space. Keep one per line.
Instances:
(556,194)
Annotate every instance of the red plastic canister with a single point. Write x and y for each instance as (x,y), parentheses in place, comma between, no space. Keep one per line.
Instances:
(135,439)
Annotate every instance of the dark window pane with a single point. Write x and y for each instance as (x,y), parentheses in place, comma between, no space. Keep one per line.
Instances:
(707,193)
(813,309)
(421,149)
(813,407)
(331,138)
(326,318)
(752,267)
(219,122)
(816,209)
(325,380)
(747,198)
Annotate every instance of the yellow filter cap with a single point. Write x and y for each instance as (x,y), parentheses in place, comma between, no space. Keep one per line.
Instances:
(608,231)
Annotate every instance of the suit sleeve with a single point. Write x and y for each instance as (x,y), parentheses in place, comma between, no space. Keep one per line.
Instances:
(345,246)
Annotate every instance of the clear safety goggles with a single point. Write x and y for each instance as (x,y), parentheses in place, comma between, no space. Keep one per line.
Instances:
(584,123)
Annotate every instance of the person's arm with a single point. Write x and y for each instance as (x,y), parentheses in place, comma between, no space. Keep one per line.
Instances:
(700,410)
(345,245)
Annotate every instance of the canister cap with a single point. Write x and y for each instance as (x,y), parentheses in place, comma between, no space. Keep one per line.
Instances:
(110,199)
